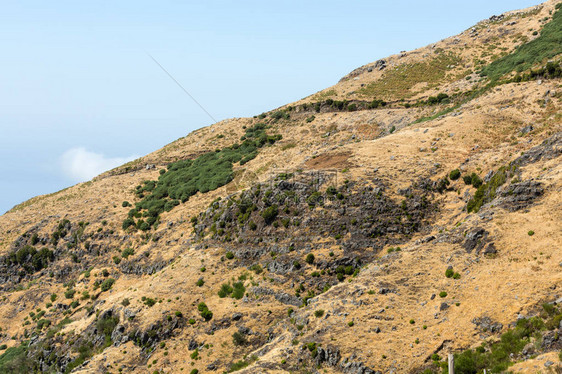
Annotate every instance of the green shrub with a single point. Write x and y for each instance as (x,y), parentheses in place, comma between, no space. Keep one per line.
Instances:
(106,325)
(270,213)
(107,284)
(204,311)
(449,272)
(531,233)
(239,290)
(309,259)
(128,222)
(319,313)
(200,282)
(42,323)
(225,290)
(239,339)
(455,174)
(69,294)
(229,255)
(475,180)
(127,252)
(442,294)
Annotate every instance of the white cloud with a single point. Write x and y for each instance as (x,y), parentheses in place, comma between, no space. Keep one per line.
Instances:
(81,165)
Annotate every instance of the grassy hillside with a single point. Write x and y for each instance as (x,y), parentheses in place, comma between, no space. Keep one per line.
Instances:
(408,212)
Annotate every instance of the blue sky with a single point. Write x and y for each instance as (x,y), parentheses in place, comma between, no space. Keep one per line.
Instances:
(79,94)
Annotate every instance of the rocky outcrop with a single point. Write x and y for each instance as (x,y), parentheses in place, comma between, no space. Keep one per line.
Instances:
(520,195)
(475,240)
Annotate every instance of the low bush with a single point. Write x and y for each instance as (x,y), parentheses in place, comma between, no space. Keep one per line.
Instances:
(204,311)
(239,339)
(69,294)
(127,252)
(487,192)
(455,174)
(107,284)
(270,213)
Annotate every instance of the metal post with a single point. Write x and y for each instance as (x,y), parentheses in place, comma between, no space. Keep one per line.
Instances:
(451,364)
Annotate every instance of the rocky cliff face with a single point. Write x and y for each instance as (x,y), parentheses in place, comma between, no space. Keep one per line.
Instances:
(410,211)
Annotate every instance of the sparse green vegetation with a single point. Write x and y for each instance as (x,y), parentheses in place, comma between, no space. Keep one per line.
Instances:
(236,291)
(187,177)
(397,82)
(544,47)
(239,365)
(496,356)
(14,360)
(487,192)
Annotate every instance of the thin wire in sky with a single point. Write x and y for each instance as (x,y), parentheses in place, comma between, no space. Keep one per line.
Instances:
(179,84)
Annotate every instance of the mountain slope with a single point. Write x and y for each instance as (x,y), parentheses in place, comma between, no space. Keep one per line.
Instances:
(318,236)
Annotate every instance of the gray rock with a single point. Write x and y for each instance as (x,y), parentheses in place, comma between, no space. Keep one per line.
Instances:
(236,316)
(485,324)
(475,240)
(490,249)
(527,129)
(520,195)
